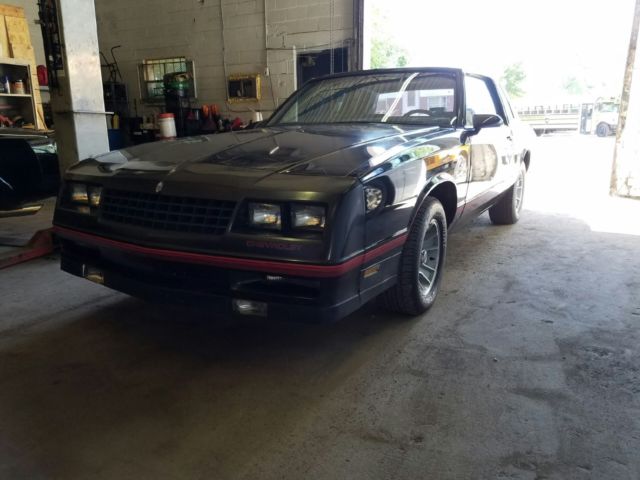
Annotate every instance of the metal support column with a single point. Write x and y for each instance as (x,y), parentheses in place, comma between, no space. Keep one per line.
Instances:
(365,34)
(358,27)
(78,104)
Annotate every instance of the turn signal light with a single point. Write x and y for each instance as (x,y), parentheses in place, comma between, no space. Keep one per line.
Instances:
(373,197)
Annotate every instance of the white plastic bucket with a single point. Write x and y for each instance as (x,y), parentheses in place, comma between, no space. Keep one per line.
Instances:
(167,124)
(256,117)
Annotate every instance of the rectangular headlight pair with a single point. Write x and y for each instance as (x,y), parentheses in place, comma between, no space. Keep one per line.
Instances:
(303,216)
(265,215)
(307,216)
(84,196)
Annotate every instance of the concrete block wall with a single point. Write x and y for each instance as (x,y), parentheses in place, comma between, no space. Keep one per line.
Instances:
(252,36)
(295,26)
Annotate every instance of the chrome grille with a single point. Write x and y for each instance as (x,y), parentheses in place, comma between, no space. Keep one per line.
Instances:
(166,212)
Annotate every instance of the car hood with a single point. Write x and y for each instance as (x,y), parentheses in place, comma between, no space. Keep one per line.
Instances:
(334,150)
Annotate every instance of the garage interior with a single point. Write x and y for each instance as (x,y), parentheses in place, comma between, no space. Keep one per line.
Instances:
(526,367)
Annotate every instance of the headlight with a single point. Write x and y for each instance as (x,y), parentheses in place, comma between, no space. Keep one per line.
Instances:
(84,197)
(265,215)
(95,194)
(310,217)
(78,193)
(373,197)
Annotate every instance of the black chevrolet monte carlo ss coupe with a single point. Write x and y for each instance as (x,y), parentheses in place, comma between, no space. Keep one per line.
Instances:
(345,194)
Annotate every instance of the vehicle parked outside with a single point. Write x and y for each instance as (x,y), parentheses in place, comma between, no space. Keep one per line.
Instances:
(347,193)
(600,117)
(552,117)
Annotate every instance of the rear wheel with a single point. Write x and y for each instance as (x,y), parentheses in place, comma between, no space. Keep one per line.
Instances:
(422,262)
(507,210)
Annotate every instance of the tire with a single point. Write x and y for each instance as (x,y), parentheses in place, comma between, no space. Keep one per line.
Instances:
(603,130)
(421,263)
(507,210)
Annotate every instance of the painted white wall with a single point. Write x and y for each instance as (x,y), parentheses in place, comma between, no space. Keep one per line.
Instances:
(149,29)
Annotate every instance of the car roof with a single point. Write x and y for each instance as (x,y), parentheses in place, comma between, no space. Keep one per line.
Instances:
(450,70)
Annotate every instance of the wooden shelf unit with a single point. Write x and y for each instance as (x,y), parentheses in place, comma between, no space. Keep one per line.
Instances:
(18,50)
(14,104)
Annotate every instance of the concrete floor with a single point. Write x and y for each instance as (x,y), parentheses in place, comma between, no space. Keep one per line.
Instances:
(527,367)
(16,232)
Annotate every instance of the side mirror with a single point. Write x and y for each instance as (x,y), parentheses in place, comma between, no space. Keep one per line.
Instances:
(481,121)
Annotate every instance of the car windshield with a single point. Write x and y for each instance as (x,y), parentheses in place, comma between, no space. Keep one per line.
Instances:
(419,98)
(609,107)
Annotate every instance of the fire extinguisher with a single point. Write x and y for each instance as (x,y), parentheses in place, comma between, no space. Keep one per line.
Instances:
(43,76)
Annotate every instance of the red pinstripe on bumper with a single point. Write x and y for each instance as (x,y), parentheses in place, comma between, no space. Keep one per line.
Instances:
(268,266)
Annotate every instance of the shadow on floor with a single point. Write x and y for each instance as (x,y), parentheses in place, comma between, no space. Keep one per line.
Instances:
(122,389)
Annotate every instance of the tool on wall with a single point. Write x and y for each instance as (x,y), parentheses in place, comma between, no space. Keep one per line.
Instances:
(114,70)
(116,99)
(52,41)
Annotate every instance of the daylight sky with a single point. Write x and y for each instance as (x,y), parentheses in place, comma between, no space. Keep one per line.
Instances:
(554,39)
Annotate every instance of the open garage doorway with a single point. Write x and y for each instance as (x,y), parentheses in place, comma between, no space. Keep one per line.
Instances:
(545,51)
(562,64)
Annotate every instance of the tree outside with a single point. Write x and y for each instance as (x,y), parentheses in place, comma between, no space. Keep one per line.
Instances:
(385,54)
(512,79)
(573,86)
(385,51)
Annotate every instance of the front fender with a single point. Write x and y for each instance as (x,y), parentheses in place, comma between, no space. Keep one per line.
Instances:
(443,187)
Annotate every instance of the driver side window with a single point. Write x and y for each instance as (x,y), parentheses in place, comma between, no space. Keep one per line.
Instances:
(479,99)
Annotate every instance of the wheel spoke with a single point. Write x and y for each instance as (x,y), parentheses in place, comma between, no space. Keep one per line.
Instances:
(430,239)
(429,258)
(424,276)
(519,192)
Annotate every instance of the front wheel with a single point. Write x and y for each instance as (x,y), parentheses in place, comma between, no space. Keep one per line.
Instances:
(507,210)
(603,130)
(421,263)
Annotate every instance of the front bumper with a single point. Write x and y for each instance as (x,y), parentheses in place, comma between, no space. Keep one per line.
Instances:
(291,292)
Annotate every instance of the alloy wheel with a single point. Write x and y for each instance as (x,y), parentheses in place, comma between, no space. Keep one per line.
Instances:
(518,192)
(430,252)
